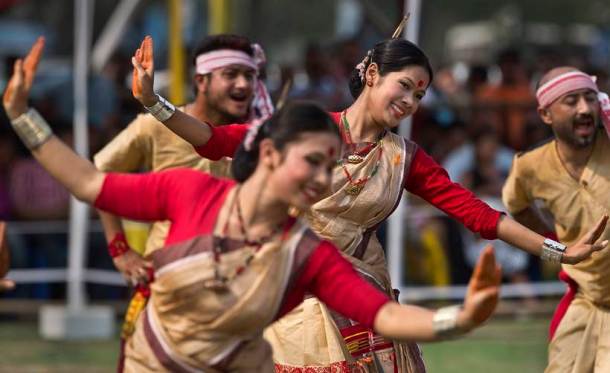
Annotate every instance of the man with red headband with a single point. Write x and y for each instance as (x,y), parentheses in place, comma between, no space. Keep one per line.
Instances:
(227,90)
(570,178)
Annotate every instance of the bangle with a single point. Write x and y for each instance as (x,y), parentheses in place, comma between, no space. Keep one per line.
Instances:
(162,110)
(552,251)
(32,129)
(444,322)
(118,246)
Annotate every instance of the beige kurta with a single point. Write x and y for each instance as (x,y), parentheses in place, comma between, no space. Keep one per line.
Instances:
(147,145)
(576,205)
(311,337)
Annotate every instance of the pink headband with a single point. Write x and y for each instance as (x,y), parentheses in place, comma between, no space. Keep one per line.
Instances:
(550,91)
(563,84)
(209,61)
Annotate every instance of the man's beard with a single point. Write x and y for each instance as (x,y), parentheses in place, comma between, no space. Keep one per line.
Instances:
(214,108)
(566,134)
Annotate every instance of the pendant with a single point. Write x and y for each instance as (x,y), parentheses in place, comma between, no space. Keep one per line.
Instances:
(354,189)
(354,158)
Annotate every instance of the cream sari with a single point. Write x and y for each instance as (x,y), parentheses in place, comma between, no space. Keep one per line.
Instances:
(312,336)
(191,326)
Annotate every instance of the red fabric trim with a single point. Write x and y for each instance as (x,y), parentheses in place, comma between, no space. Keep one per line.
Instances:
(358,343)
(564,303)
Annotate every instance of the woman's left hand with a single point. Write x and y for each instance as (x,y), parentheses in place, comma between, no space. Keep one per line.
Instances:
(144,73)
(583,249)
(15,99)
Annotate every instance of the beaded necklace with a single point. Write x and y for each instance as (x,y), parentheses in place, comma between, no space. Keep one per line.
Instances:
(220,245)
(357,156)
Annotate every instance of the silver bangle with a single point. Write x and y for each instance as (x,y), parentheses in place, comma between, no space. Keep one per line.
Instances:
(552,251)
(32,129)
(444,321)
(162,110)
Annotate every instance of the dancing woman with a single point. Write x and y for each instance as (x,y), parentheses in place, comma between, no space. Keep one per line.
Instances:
(375,167)
(234,259)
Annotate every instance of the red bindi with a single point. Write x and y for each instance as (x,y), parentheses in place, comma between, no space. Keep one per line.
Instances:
(331,152)
(420,84)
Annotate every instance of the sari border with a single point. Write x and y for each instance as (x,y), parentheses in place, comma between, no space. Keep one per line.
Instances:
(160,349)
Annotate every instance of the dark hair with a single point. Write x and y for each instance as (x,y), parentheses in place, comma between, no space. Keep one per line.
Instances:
(223,41)
(284,126)
(391,55)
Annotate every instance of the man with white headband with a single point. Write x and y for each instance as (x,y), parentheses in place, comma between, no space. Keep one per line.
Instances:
(570,178)
(227,90)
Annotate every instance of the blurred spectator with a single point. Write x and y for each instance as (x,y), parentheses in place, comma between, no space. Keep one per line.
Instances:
(510,100)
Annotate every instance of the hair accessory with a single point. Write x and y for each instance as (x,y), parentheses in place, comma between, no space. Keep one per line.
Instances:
(400,26)
(361,67)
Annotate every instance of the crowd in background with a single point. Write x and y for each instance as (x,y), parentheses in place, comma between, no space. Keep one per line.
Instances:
(473,120)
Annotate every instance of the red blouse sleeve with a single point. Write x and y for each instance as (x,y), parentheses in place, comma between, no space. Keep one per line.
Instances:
(224,141)
(150,196)
(332,279)
(431,182)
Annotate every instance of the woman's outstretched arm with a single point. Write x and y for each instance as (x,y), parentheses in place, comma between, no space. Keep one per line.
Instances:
(77,174)
(337,284)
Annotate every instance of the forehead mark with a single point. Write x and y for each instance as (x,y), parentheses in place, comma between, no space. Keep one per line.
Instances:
(420,84)
(331,151)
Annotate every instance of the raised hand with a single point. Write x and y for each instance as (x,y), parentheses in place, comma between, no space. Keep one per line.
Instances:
(143,73)
(587,244)
(483,288)
(15,98)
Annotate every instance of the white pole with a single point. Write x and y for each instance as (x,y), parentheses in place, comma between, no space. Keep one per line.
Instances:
(112,33)
(79,212)
(396,231)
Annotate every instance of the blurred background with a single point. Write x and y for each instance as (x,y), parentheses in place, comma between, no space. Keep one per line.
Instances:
(479,111)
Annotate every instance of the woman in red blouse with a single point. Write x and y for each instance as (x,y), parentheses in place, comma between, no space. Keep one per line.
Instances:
(374,168)
(235,260)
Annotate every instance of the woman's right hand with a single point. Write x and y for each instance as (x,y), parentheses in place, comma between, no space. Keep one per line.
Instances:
(483,289)
(144,73)
(15,99)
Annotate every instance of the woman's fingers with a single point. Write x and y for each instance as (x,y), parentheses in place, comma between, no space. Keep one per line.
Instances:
(30,64)
(147,54)
(486,270)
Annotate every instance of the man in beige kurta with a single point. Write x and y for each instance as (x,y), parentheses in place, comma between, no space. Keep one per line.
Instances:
(222,96)
(570,177)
